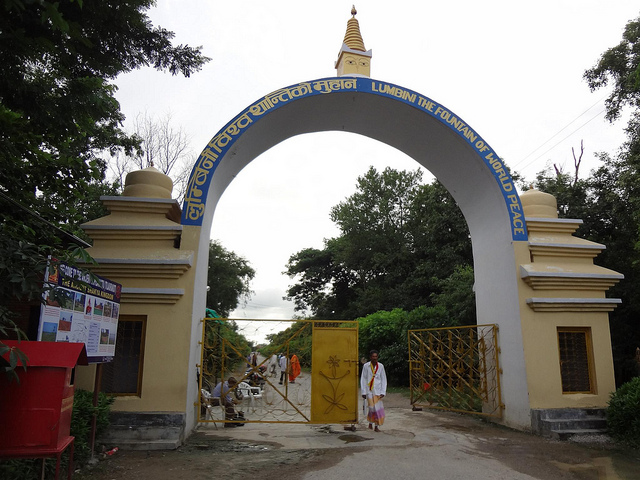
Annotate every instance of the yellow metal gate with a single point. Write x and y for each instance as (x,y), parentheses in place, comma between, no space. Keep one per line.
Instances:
(325,391)
(456,369)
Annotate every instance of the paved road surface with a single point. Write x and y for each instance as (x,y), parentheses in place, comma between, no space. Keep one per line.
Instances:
(439,445)
(412,445)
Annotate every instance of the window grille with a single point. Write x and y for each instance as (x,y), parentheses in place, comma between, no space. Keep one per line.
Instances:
(576,360)
(123,376)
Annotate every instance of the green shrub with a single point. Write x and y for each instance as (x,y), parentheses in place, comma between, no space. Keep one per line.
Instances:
(623,413)
(81,421)
(29,469)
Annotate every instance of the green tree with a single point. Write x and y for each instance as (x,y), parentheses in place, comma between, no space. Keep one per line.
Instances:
(605,202)
(295,339)
(441,242)
(376,242)
(58,113)
(231,356)
(387,331)
(456,298)
(620,65)
(324,286)
(164,146)
(228,279)
(57,103)
(398,238)
(613,215)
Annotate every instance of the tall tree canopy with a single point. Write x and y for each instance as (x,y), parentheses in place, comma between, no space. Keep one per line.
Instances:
(57,106)
(620,65)
(228,279)
(398,239)
(606,208)
(57,113)
(164,146)
(612,216)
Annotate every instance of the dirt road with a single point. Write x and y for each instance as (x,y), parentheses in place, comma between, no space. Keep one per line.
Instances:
(412,445)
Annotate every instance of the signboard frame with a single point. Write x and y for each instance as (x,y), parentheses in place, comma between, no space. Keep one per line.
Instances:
(81,307)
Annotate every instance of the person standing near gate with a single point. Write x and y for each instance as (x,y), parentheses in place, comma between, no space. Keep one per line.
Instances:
(283,368)
(373,386)
(273,365)
(295,368)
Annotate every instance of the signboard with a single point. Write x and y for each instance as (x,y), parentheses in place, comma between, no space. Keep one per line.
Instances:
(208,161)
(80,307)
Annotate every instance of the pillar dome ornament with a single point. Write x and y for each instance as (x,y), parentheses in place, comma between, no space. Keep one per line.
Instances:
(148,183)
(539,204)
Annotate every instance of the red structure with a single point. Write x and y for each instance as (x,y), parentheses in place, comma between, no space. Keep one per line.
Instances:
(35,413)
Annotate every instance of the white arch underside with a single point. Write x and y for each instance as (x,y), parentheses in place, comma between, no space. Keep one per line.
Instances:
(454,163)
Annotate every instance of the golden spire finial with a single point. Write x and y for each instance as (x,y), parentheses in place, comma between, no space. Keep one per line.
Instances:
(353,58)
(353,38)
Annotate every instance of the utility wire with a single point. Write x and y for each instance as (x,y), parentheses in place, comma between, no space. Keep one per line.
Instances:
(558,133)
(558,143)
(252,304)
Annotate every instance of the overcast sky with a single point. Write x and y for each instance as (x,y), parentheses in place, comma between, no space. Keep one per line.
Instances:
(512,71)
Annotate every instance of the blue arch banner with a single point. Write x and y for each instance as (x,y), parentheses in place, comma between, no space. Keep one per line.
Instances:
(200,179)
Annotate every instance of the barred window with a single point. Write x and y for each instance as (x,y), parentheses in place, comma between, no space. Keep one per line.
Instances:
(576,360)
(123,376)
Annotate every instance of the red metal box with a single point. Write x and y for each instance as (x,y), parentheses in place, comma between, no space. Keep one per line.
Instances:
(36,411)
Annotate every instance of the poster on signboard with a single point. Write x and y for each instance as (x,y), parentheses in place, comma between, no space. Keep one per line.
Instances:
(80,307)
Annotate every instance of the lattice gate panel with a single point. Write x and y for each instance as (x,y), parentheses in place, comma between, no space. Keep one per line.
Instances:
(263,394)
(456,369)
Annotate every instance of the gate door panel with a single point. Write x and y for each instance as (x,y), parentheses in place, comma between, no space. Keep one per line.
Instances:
(328,349)
(456,369)
(334,381)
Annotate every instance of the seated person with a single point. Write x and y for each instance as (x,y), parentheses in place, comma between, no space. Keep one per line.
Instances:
(222,393)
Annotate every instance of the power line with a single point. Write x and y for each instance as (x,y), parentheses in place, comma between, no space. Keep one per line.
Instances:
(555,145)
(259,305)
(558,133)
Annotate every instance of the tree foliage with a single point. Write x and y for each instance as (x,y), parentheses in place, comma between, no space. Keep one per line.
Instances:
(22,264)
(398,239)
(620,65)
(216,357)
(58,112)
(296,339)
(611,196)
(228,279)
(606,203)
(163,146)
(623,421)
(387,331)
(57,103)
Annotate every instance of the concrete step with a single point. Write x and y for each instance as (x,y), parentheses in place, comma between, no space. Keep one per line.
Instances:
(140,433)
(585,423)
(561,413)
(567,434)
(548,422)
(147,445)
(144,431)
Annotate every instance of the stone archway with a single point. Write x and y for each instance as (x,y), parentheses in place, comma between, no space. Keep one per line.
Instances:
(419,127)
(537,281)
